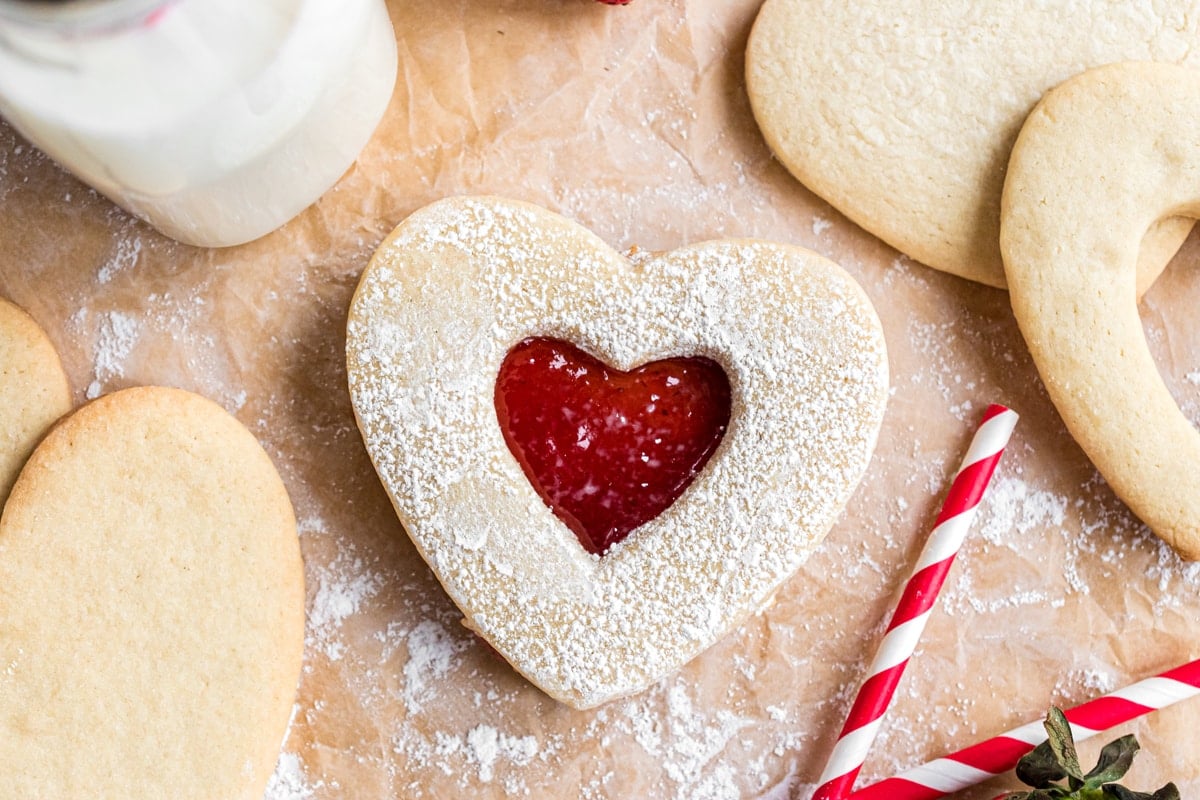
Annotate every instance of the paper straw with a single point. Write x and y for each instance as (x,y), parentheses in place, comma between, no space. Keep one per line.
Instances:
(998,755)
(916,603)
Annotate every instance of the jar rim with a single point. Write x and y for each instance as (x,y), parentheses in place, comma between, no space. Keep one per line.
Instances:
(78,16)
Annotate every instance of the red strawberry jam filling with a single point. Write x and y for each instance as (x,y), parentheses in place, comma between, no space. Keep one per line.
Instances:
(608,450)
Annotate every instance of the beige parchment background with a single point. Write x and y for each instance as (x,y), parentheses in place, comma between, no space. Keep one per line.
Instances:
(635,122)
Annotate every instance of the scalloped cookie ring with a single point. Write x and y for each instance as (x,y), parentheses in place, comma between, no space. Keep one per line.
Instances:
(460,282)
(902,115)
(33,390)
(1100,158)
(152,598)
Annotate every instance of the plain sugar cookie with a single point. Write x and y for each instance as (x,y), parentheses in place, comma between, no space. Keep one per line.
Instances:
(33,390)
(151,607)
(902,114)
(461,282)
(1099,160)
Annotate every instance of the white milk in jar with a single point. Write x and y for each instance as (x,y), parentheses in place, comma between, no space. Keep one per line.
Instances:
(214,120)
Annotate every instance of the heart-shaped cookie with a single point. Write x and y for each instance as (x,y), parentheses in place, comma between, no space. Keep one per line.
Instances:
(461,282)
(151,607)
(33,390)
(903,114)
(1100,158)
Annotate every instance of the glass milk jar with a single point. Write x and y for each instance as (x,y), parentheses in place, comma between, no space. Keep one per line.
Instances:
(214,120)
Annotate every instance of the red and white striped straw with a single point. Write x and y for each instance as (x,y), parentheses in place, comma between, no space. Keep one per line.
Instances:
(916,603)
(1000,754)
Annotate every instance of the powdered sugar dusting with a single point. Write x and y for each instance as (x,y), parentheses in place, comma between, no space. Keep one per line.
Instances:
(289,781)
(486,745)
(118,334)
(342,588)
(432,652)
(1014,505)
(126,252)
(808,372)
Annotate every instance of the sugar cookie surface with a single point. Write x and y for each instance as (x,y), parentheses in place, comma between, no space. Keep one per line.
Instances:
(461,281)
(33,390)
(152,598)
(1100,158)
(903,114)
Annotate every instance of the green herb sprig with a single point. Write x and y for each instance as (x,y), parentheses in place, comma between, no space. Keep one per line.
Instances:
(1057,759)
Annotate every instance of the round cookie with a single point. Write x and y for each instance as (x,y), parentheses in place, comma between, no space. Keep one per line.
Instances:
(462,281)
(1100,158)
(33,390)
(902,115)
(151,607)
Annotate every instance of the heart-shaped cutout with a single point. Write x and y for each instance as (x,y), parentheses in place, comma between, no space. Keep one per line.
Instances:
(459,283)
(33,390)
(902,115)
(151,606)
(608,450)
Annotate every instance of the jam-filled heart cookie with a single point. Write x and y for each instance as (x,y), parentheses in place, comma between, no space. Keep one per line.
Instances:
(902,114)
(722,401)
(151,607)
(1099,160)
(33,390)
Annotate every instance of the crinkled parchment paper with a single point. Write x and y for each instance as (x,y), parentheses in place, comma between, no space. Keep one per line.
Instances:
(635,122)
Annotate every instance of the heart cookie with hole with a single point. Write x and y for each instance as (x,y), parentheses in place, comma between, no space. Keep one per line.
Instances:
(1101,158)
(151,606)
(902,114)
(608,463)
